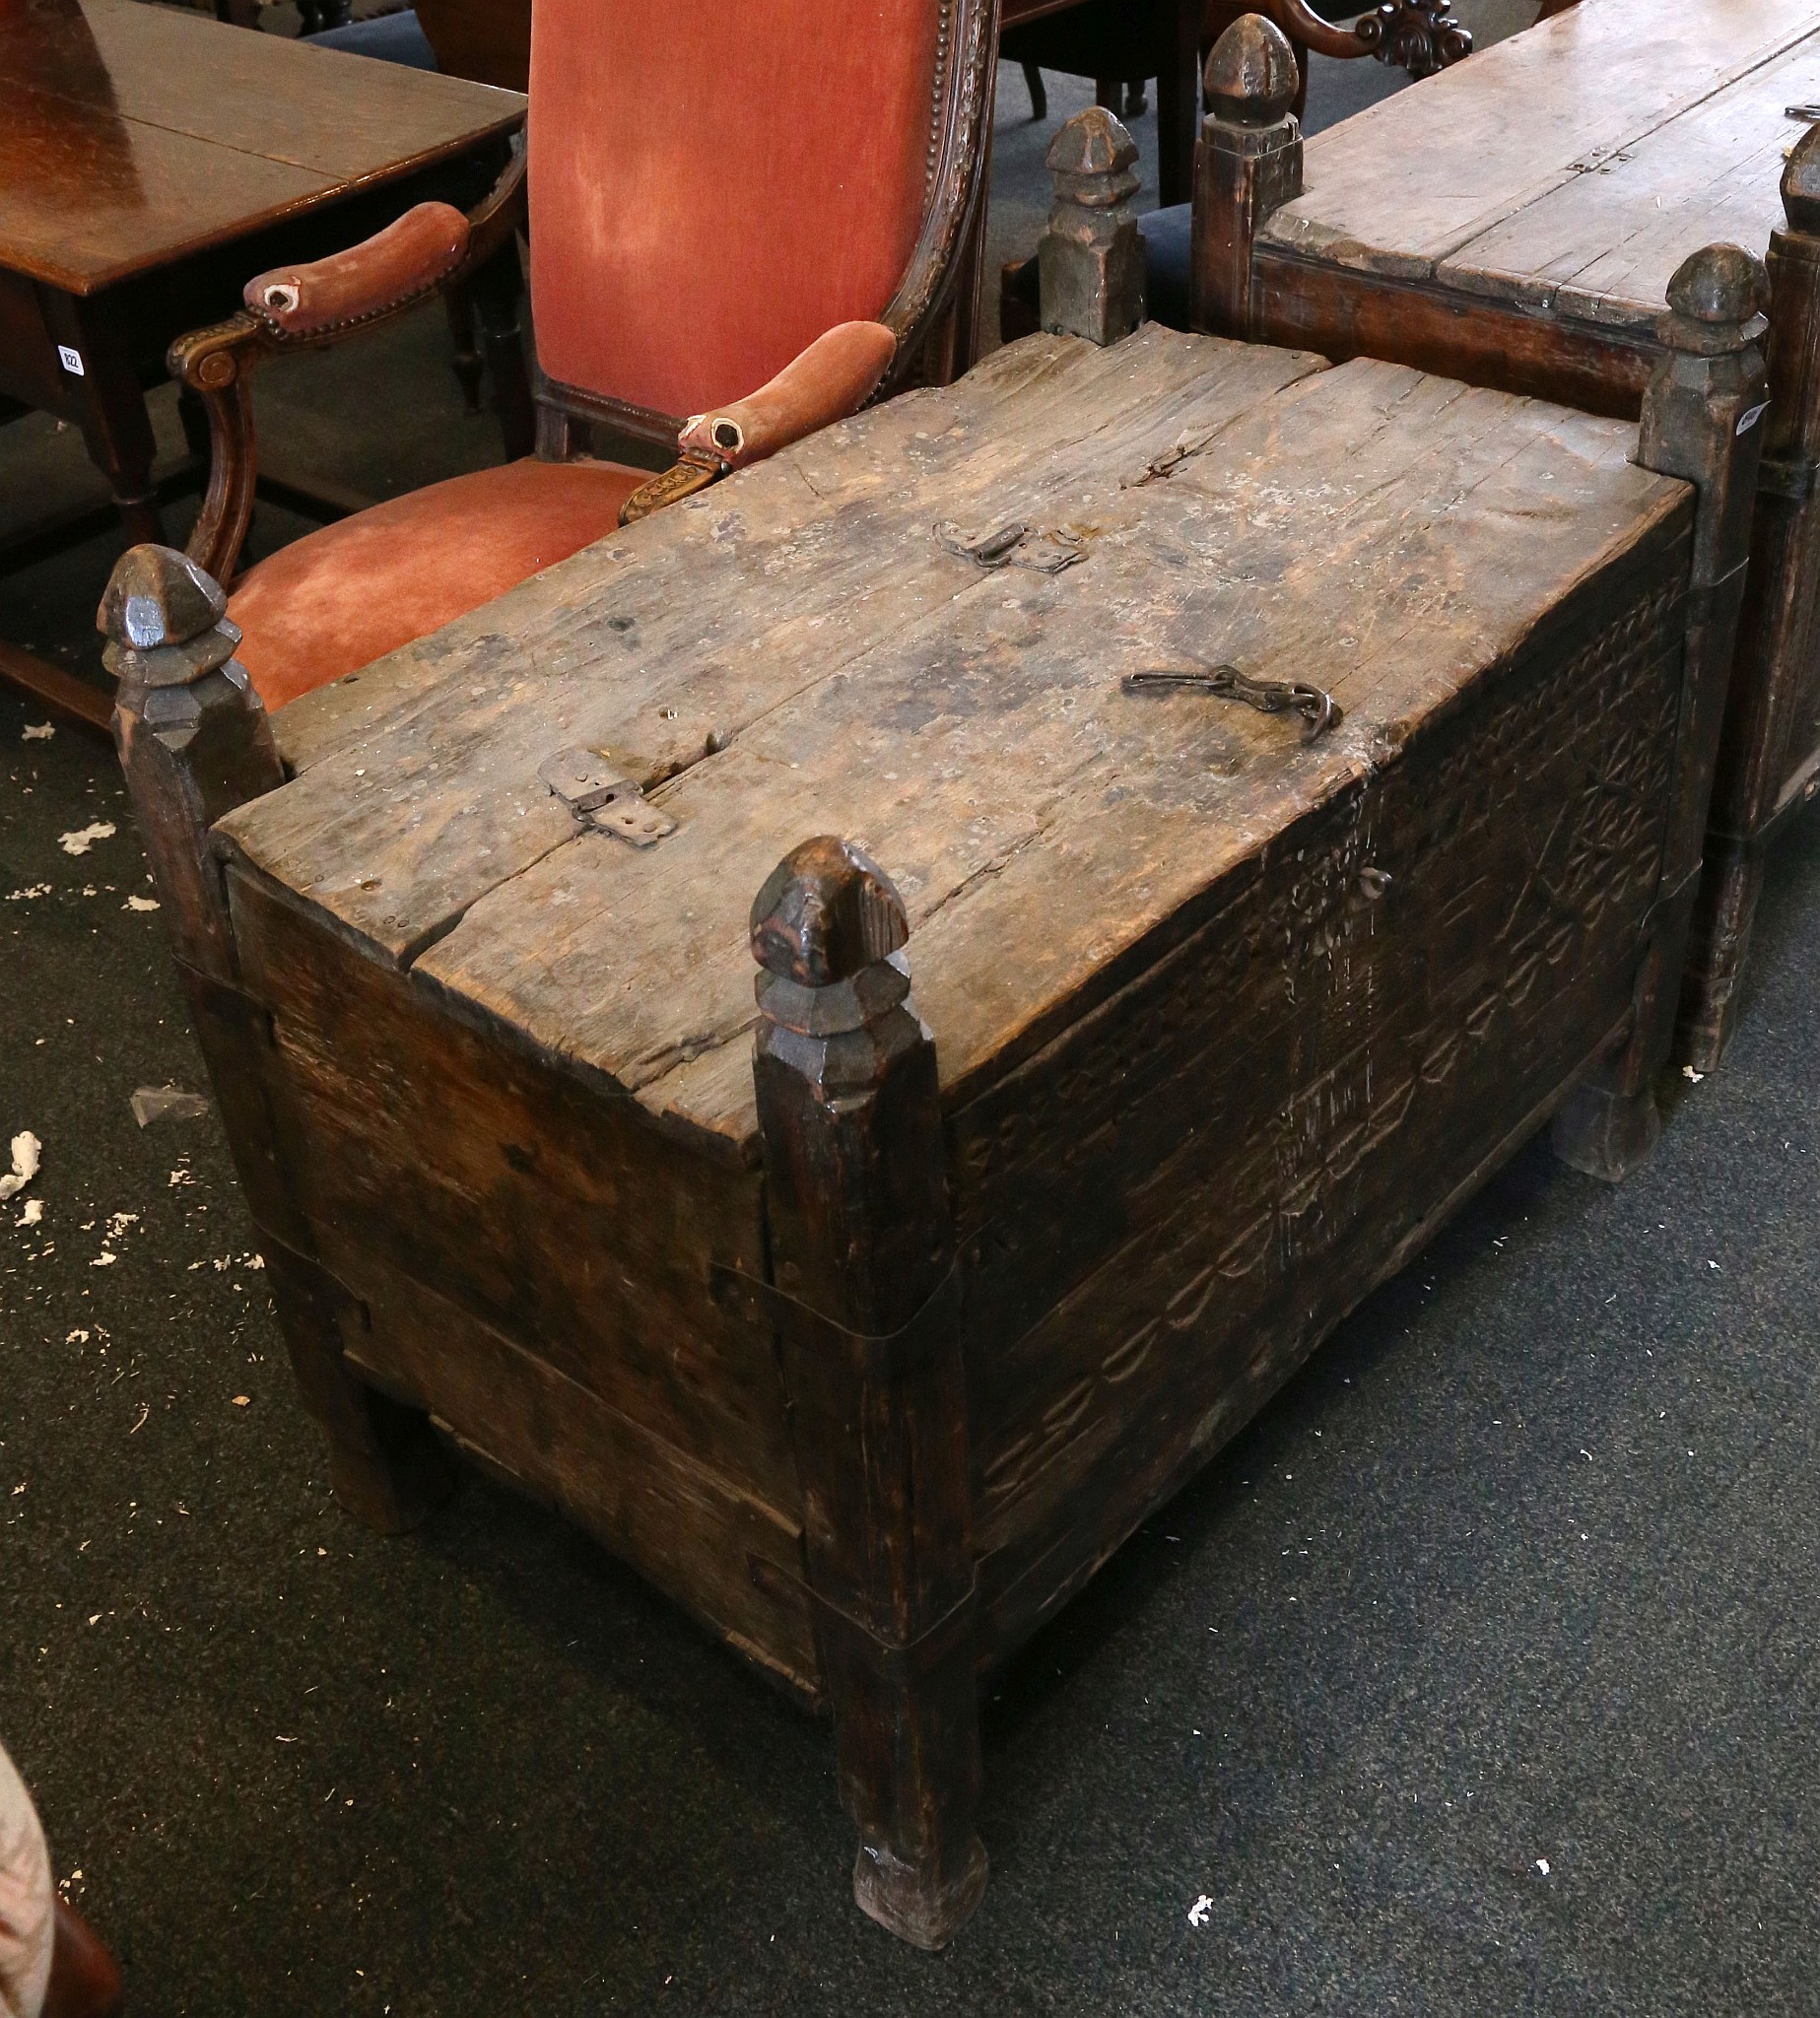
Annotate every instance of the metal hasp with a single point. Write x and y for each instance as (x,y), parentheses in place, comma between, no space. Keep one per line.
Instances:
(1319,709)
(600,795)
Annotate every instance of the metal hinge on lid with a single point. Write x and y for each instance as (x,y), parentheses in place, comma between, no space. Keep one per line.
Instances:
(600,795)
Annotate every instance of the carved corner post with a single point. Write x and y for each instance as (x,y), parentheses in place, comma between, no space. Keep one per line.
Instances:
(1777,635)
(1091,259)
(865,1300)
(1701,420)
(1248,164)
(196,742)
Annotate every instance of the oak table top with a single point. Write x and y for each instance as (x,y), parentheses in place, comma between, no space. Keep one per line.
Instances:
(1572,166)
(136,134)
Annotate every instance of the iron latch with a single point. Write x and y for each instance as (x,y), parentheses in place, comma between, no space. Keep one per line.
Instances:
(600,795)
(1319,709)
(1047,549)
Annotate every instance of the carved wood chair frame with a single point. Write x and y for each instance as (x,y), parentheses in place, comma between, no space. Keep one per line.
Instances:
(217,363)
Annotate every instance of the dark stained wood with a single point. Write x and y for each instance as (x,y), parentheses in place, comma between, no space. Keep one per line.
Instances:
(497,1177)
(489,41)
(729,1557)
(1769,764)
(77,699)
(863,1250)
(1351,314)
(193,740)
(152,160)
(1608,144)
(137,135)
(1703,420)
(869,1327)
(1248,164)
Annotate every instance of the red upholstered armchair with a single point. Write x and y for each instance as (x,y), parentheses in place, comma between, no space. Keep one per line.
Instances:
(747,216)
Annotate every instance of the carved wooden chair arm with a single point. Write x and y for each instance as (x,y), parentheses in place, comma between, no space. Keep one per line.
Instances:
(308,307)
(1417,36)
(833,377)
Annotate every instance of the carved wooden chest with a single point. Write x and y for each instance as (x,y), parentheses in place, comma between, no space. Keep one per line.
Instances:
(868,1324)
(1517,222)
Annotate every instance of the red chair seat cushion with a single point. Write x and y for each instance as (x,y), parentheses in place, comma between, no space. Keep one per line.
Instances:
(340,598)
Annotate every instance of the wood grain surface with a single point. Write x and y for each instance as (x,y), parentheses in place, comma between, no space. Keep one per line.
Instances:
(1383,534)
(138,133)
(1572,166)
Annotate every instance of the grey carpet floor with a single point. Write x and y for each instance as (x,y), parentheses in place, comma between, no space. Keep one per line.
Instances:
(1478,1676)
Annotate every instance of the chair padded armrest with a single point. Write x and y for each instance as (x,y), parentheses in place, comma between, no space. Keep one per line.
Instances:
(831,379)
(423,246)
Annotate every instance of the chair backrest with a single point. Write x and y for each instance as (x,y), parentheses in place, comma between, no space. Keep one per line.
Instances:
(715,183)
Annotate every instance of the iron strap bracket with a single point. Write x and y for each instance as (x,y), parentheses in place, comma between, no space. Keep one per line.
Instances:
(594,788)
(1045,549)
(878,1355)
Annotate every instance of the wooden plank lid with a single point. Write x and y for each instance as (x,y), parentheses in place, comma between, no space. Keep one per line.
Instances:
(1572,166)
(852,640)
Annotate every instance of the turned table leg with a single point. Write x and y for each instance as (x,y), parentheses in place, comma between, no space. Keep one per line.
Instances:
(1768,729)
(1702,420)
(1178,100)
(196,742)
(116,429)
(865,1302)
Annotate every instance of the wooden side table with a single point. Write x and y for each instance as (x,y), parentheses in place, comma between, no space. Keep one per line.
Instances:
(152,161)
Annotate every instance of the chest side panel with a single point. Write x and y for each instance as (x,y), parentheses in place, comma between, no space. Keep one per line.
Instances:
(532,1258)
(1225,1157)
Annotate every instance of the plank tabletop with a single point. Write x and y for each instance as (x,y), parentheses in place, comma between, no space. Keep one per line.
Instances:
(796,652)
(1574,166)
(136,133)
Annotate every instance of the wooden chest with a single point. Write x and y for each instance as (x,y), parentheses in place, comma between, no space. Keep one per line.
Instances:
(868,1324)
(1516,222)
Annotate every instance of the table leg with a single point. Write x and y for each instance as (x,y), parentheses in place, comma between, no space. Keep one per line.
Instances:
(385,1465)
(111,411)
(1179,104)
(459,306)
